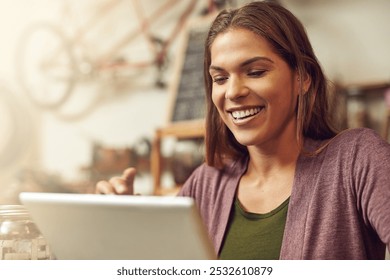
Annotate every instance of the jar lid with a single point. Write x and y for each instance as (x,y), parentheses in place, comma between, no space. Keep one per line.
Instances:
(13,210)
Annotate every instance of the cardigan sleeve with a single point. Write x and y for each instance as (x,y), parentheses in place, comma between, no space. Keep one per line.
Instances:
(370,171)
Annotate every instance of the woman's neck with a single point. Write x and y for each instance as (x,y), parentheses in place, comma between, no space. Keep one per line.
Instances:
(268,179)
(265,161)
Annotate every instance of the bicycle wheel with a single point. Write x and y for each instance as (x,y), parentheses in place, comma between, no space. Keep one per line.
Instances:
(86,97)
(45,65)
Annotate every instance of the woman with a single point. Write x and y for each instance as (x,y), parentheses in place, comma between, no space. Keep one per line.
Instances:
(279,182)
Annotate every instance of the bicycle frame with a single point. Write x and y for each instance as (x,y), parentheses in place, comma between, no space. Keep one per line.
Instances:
(105,61)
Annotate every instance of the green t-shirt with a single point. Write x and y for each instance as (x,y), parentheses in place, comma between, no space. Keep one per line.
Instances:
(252,236)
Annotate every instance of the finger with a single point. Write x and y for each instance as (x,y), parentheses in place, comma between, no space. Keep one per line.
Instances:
(118,184)
(129,176)
(104,187)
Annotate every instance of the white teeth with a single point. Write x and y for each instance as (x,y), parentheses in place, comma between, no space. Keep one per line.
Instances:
(245,113)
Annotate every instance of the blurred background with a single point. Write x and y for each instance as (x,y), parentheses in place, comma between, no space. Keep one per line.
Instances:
(88,88)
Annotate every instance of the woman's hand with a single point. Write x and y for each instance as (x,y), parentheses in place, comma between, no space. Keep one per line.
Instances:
(118,185)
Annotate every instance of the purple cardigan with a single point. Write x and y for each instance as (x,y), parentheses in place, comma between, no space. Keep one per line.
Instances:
(340,202)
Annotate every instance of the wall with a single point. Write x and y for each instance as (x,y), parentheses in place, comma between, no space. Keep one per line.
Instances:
(351,39)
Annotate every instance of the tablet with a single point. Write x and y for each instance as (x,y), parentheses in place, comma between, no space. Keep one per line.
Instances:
(103,227)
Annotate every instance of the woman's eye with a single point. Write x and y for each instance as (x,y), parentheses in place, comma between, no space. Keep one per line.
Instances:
(256,73)
(219,80)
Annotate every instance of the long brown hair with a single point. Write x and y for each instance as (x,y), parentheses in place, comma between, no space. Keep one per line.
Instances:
(289,40)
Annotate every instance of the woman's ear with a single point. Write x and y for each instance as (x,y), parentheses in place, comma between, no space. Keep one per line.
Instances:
(303,80)
(306,83)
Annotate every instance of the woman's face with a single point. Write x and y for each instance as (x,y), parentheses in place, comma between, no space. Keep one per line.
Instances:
(254,90)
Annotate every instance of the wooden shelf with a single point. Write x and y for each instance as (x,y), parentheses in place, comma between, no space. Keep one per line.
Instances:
(181,130)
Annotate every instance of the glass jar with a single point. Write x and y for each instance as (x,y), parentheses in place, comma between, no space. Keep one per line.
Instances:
(20,238)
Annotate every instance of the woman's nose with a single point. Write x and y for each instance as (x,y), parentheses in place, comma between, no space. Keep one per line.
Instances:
(236,89)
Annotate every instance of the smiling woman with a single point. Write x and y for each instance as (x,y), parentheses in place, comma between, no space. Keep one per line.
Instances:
(275,45)
(279,182)
(254,79)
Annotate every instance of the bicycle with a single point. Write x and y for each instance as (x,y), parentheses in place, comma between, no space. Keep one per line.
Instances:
(53,64)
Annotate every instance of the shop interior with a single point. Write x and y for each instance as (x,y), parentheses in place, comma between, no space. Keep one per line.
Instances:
(124,81)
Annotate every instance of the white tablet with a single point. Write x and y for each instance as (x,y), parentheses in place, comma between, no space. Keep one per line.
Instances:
(89,226)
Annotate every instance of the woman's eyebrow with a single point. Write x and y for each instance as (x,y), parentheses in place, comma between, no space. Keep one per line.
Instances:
(217,68)
(255,59)
(245,63)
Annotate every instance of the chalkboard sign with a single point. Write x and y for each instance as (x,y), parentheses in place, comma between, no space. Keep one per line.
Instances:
(189,99)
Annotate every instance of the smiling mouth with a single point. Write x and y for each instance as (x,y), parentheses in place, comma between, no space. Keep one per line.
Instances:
(243,114)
